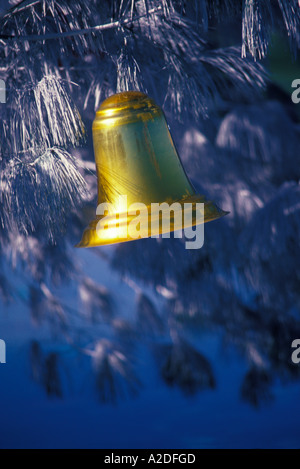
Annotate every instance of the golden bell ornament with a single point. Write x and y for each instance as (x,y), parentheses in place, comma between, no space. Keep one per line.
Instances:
(137,163)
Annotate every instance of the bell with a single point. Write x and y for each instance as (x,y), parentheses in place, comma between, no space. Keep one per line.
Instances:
(137,166)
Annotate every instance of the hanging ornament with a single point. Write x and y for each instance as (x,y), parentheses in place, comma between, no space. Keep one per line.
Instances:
(138,167)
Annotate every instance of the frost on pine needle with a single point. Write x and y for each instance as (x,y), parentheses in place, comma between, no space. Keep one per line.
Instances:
(102,83)
(257,17)
(291,15)
(233,74)
(185,94)
(194,76)
(190,76)
(45,192)
(63,118)
(45,113)
(49,16)
(194,90)
(5,195)
(128,73)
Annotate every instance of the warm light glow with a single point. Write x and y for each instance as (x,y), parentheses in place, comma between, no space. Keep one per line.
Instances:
(137,162)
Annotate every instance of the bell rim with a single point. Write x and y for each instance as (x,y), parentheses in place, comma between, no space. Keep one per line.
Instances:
(216,213)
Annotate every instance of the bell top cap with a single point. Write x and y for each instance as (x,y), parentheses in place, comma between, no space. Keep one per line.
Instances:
(123,99)
(133,104)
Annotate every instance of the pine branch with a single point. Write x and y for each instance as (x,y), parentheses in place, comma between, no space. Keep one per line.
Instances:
(257,18)
(41,194)
(79,32)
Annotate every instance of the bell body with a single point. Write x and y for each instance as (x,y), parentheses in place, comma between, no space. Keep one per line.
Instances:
(136,157)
